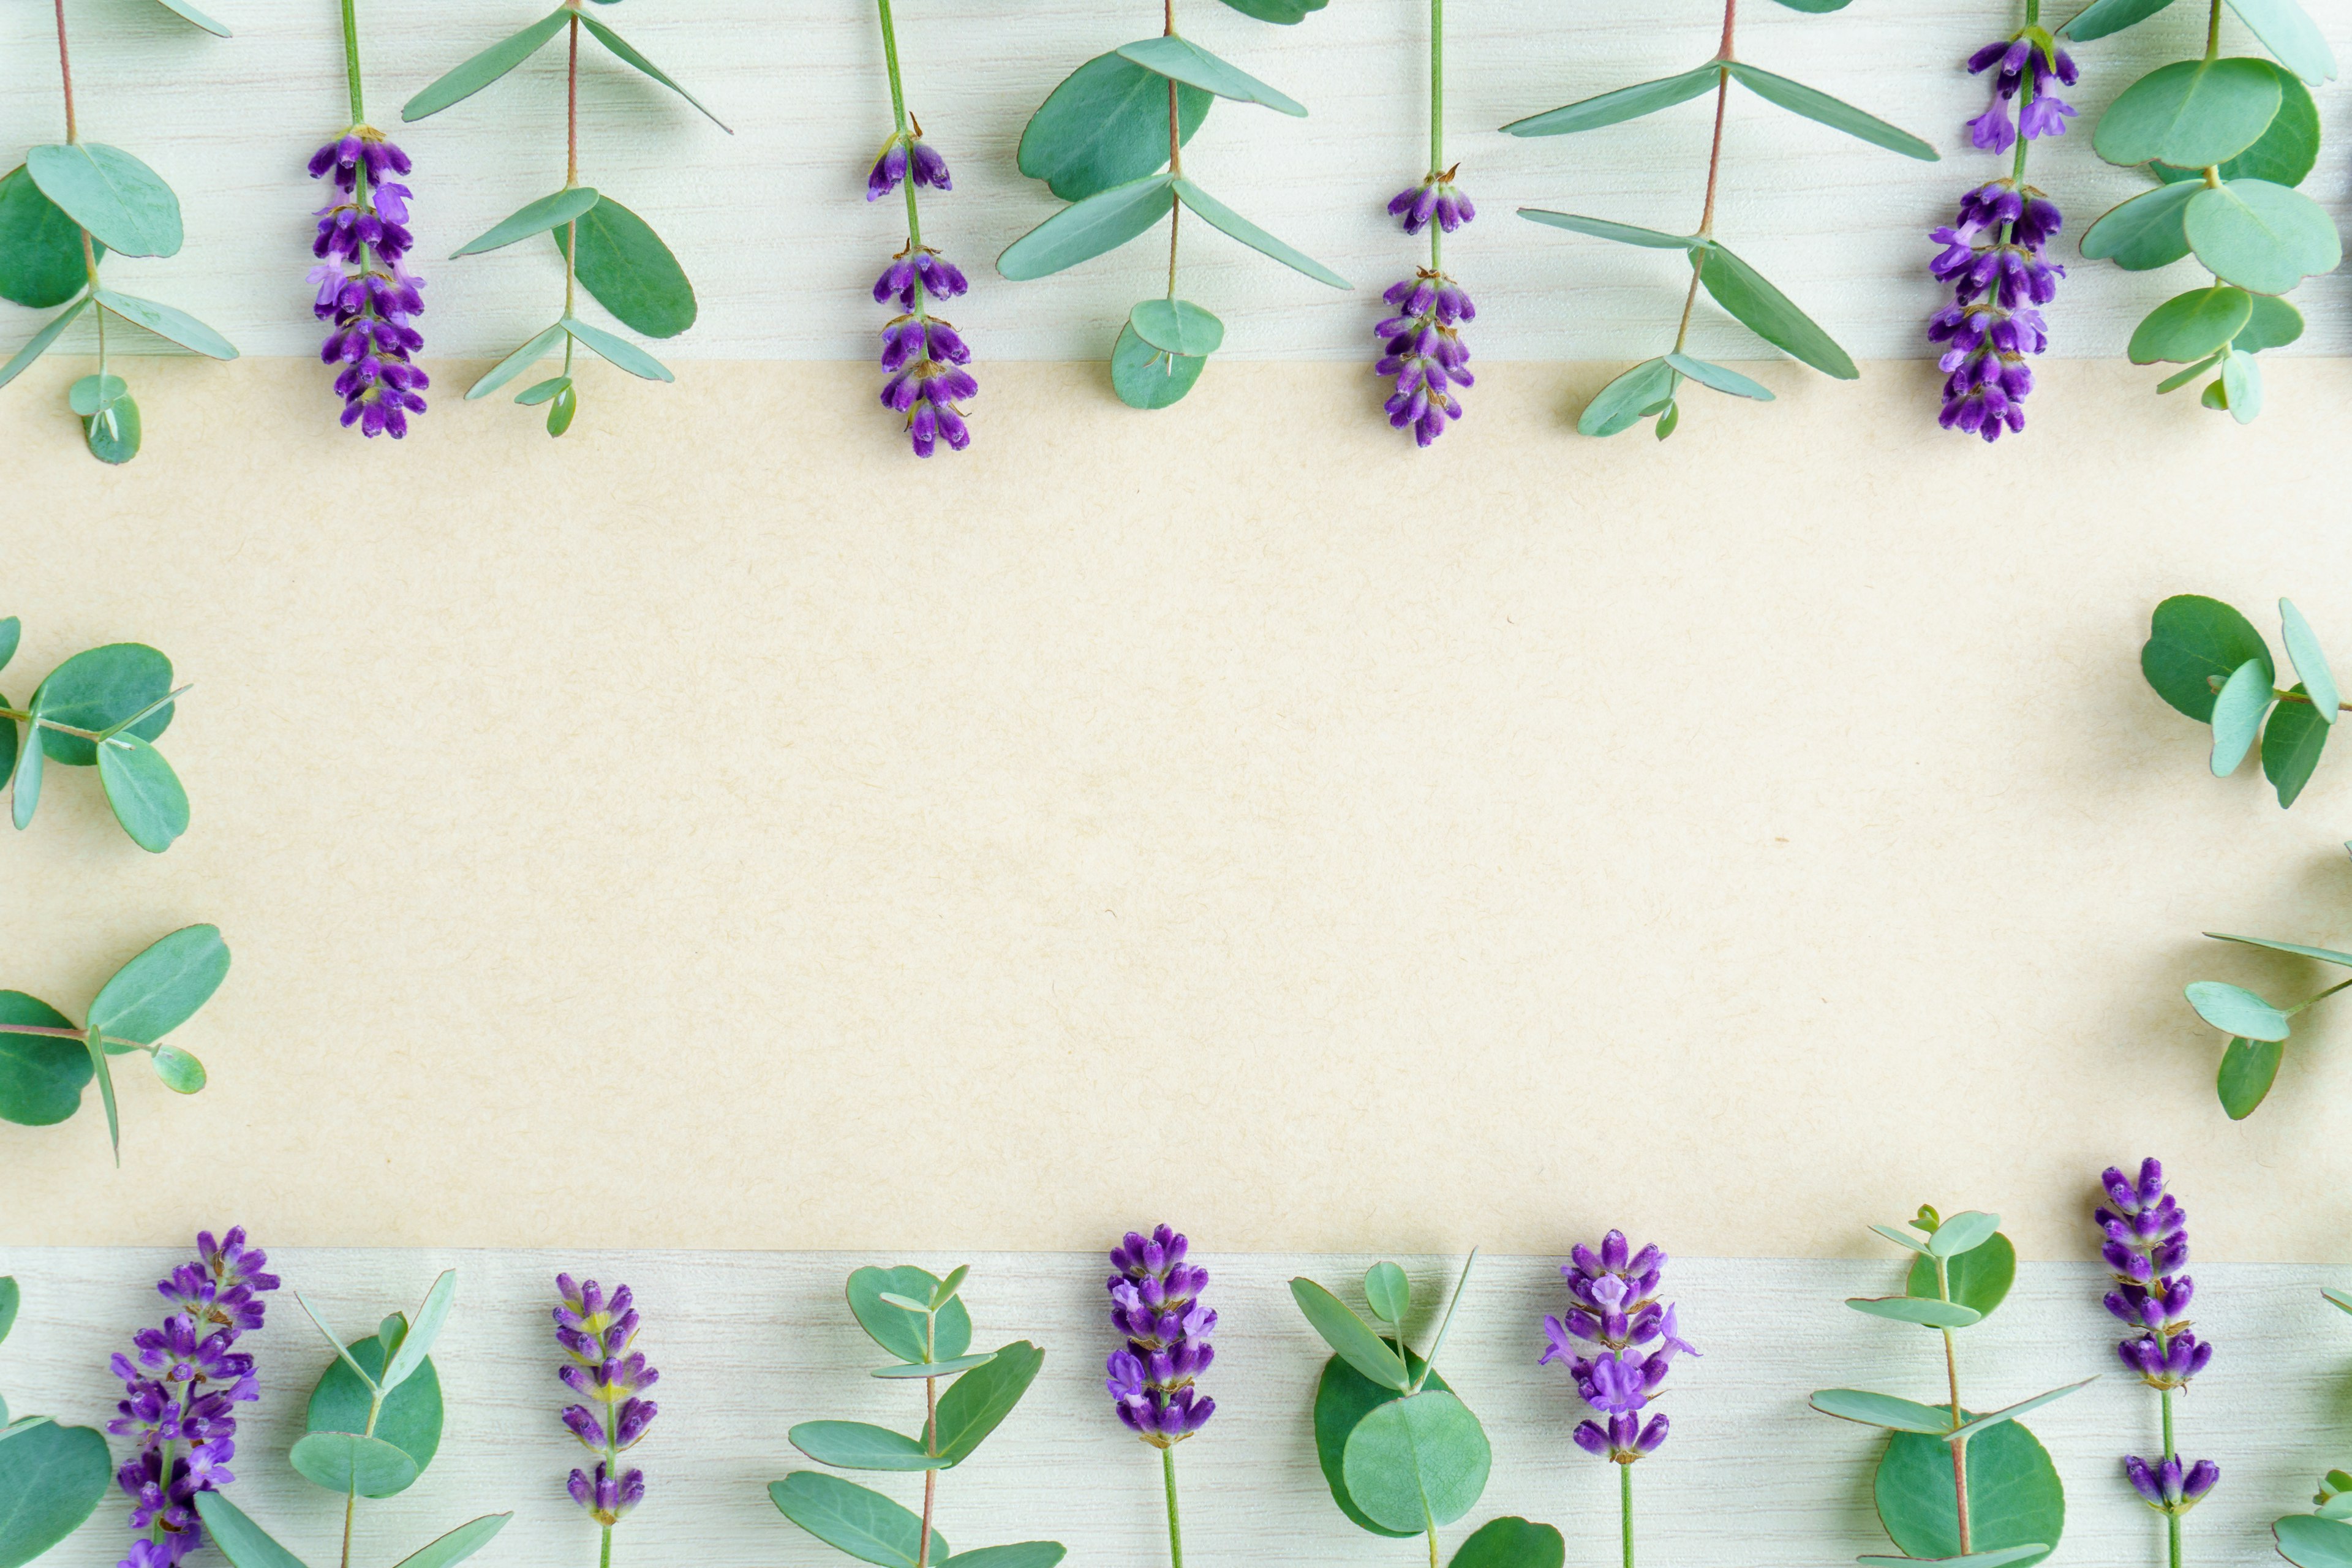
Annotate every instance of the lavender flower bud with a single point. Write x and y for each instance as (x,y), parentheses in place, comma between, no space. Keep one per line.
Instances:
(595,1333)
(1424,354)
(364,285)
(1617,1310)
(2169,1488)
(1154,1303)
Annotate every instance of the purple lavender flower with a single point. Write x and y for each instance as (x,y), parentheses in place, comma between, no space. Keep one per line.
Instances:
(1993,256)
(1614,1309)
(2166,1487)
(364,287)
(904,154)
(595,1335)
(2145,1243)
(1422,342)
(2031,59)
(924,354)
(1435,197)
(182,1389)
(1155,1303)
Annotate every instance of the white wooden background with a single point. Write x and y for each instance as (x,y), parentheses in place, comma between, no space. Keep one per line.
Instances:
(750,1342)
(772,224)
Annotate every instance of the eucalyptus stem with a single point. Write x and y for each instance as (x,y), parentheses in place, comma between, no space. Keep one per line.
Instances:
(1433,1541)
(571,178)
(2213,32)
(1175,155)
(2323,997)
(1175,1534)
(1714,165)
(352,59)
(931,1436)
(1959,1444)
(1625,1510)
(65,70)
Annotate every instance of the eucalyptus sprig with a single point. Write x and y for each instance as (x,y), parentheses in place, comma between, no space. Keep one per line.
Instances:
(2207,661)
(61,210)
(1648,390)
(2228,140)
(52,1476)
(1400,1450)
(1955,1487)
(2258,1030)
(922,1320)
(1110,140)
(607,248)
(372,1426)
(103,708)
(2322,1538)
(46,1059)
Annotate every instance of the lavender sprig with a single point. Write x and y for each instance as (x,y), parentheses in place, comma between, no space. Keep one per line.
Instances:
(924,356)
(2146,1246)
(182,1388)
(1155,1303)
(1993,250)
(1422,342)
(595,1333)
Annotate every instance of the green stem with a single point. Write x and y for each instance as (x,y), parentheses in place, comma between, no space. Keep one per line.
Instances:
(2213,32)
(2025,97)
(1436,121)
(571,178)
(1175,152)
(1433,1541)
(1625,1510)
(65,70)
(605,1558)
(930,1433)
(352,58)
(2323,997)
(1175,1535)
(1714,167)
(2171,1521)
(1960,1446)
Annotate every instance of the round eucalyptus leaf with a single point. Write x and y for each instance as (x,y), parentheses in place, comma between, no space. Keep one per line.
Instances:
(2193,641)
(1387,1292)
(113,433)
(2262,237)
(146,795)
(119,199)
(624,263)
(1417,1461)
(2191,114)
(1177,327)
(1670,418)
(1105,124)
(410,1419)
(2190,326)
(41,261)
(2284,155)
(52,1478)
(2014,1496)
(2274,325)
(2235,1010)
(181,1073)
(2241,387)
(1980,1276)
(347,1462)
(41,1076)
(1146,377)
(901,1334)
(2309,1541)
(2143,233)
(98,689)
(1342,1399)
(1511,1543)
(92,392)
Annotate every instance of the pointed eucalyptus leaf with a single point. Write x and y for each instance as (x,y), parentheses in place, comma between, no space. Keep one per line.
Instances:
(1625,103)
(1926,1312)
(187,13)
(122,202)
(458,1544)
(24,779)
(854,1519)
(907,1303)
(2102,18)
(1106,125)
(948,1287)
(343,1356)
(167,322)
(12,1299)
(2238,712)
(1625,401)
(2292,743)
(1511,1543)
(2015,1499)
(11,631)
(617,351)
(2339,1301)
(858,1446)
(627,53)
(2004,1558)
(1669,419)
(1860,1405)
(1420,1460)
(2287,30)
(515,363)
(1150,378)
(1015,1554)
(1722,380)
(417,1344)
(348,1462)
(2308,1541)
(41,1075)
(559,411)
(1180,59)
(52,1479)
(2283,154)
(552,211)
(245,1543)
(976,1404)
(104,1073)
(895,1332)
(2192,642)
(39,342)
(1357,1341)
(2303,649)
(2237,1011)
(41,261)
(161,987)
(1769,313)
(2324,954)
(2009,1413)
(2249,1067)
(2191,114)
(1601,229)
(2190,326)
(932,1369)
(100,688)
(2143,233)
(1836,113)
(2262,237)
(467,79)
(143,791)
(410,1417)
(1963,1232)
(1387,1292)
(532,396)
(1232,223)
(1903,1238)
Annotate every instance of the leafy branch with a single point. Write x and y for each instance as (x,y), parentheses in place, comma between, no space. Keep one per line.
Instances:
(2207,661)
(103,708)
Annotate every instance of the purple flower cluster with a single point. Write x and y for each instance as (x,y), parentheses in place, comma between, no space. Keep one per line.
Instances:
(183,1389)
(2032,62)
(901,157)
(1422,342)
(1616,1312)
(595,1333)
(1993,257)
(924,356)
(1155,1302)
(2145,1243)
(363,287)
(2167,1487)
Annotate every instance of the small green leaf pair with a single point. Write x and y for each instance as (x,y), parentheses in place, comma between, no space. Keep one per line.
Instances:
(373,1425)
(1401,1452)
(922,1320)
(52,1476)
(103,708)
(46,1059)
(2259,1031)
(1961,1270)
(2207,661)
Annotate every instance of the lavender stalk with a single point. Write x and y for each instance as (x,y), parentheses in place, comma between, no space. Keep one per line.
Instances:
(1422,342)
(923,354)
(595,1335)
(2146,1245)
(1155,1303)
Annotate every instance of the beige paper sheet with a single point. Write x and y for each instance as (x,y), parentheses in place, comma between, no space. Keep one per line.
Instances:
(717,829)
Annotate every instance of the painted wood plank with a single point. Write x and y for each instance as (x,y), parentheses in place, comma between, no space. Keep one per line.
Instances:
(750,1342)
(772,224)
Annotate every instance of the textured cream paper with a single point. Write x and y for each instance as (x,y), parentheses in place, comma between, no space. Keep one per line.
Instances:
(717,829)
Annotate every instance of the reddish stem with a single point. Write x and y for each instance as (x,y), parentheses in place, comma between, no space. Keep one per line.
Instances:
(65,69)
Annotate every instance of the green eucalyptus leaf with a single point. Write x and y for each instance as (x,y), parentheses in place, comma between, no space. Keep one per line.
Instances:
(2274,325)
(124,204)
(41,1075)
(2190,326)
(1622,233)
(2237,1011)
(2192,642)
(1625,401)
(1980,1277)
(2005,1558)
(1387,1292)
(624,263)
(1232,223)
(187,13)
(1417,1461)
(559,411)
(1963,1232)
(11,631)
(458,1544)
(2014,1496)
(617,351)
(1355,1340)
(895,1332)
(2191,114)
(105,1076)
(348,1462)
(1343,1398)
(1511,1543)
(411,1416)
(24,779)
(1085,229)
(946,1291)
(2310,662)
(245,1543)
(486,67)
(1106,125)
(2308,1541)
(628,54)
(2291,745)
(858,1446)
(52,1478)
(854,1519)
(181,1073)
(143,791)
(2324,954)
(1282,12)
(168,322)
(2143,233)
(38,345)
(2215,396)
(1625,103)
(41,263)
(976,1404)
(2262,237)
(1769,313)
(2102,18)
(92,392)
(1016,1554)
(515,363)
(932,1369)
(161,987)
(2283,154)
(1177,327)
(1180,59)
(2011,1412)
(532,396)
(1148,378)
(1669,418)
(552,211)
(2288,32)
(2249,1067)
(418,1343)
(114,432)
(2238,715)
(2180,378)
(1816,7)
(12,1299)
(1870,1409)
(1819,107)
(1927,1312)
(1715,376)
(1901,1237)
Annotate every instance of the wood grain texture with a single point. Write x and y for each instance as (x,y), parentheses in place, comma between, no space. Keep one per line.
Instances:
(750,1342)
(771,225)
